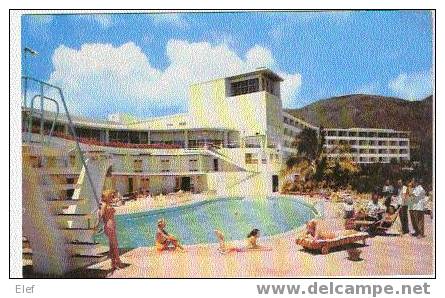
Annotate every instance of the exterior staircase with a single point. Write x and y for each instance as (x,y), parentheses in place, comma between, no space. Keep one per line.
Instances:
(59,229)
(60,192)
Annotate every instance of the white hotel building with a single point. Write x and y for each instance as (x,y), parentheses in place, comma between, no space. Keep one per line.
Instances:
(368,145)
(232,141)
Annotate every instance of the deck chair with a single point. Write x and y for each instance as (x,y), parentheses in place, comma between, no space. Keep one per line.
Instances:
(373,227)
(325,245)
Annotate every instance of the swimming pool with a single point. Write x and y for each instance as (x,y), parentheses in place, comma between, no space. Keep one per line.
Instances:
(195,223)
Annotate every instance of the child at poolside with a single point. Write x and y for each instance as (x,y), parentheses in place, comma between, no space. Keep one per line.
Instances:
(164,240)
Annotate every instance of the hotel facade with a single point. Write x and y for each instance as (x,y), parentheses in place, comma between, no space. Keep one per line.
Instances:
(233,140)
(367,145)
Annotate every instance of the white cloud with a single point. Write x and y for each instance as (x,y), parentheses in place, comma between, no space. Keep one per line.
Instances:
(412,86)
(99,78)
(174,19)
(290,88)
(104,20)
(370,88)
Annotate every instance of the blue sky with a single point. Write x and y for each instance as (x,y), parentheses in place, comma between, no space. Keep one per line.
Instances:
(142,64)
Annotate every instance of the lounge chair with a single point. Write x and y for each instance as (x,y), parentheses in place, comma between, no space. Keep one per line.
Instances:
(326,245)
(375,227)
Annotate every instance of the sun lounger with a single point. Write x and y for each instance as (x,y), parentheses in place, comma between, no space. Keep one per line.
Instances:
(326,245)
(376,227)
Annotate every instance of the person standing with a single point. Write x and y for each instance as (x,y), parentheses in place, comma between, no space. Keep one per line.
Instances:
(107,214)
(417,209)
(387,192)
(402,200)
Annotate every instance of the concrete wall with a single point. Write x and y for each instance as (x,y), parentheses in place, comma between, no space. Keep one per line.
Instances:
(250,114)
(241,183)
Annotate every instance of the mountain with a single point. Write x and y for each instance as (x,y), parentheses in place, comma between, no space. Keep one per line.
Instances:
(359,110)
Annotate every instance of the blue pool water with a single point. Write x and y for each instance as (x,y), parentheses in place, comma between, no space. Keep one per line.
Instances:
(195,223)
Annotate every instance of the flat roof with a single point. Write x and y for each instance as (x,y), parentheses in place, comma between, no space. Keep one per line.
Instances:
(266,71)
(110,125)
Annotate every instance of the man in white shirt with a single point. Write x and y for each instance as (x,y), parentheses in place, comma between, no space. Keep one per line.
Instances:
(417,209)
(387,192)
(374,209)
(402,201)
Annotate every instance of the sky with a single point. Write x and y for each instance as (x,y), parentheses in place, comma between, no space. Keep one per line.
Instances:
(143,64)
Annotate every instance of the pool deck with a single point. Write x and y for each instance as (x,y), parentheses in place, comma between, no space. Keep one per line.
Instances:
(382,256)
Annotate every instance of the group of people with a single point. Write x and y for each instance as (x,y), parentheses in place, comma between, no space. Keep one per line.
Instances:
(166,241)
(386,204)
(163,239)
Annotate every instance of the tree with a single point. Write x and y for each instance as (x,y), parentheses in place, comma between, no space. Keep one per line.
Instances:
(307,143)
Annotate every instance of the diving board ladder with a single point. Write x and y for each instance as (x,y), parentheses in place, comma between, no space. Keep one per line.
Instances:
(60,191)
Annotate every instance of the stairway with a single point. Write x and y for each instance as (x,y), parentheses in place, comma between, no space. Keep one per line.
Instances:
(60,216)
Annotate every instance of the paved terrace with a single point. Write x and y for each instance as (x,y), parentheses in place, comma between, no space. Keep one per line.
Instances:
(382,256)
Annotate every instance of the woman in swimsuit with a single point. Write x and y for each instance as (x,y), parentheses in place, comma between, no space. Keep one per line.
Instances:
(107,215)
(318,230)
(164,240)
(251,239)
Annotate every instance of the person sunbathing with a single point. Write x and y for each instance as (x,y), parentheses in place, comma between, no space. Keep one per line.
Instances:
(223,247)
(164,240)
(318,230)
(251,239)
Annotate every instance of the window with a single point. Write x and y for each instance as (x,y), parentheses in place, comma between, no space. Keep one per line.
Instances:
(165,165)
(244,87)
(193,165)
(250,159)
(143,137)
(134,137)
(137,164)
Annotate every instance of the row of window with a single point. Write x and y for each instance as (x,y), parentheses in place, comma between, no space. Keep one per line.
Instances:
(292,122)
(165,165)
(290,132)
(373,151)
(374,159)
(367,142)
(372,134)
(252,158)
(253,85)
(244,87)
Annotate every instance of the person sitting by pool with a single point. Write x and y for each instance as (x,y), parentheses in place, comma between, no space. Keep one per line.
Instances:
(164,240)
(374,209)
(318,230)
(389,217)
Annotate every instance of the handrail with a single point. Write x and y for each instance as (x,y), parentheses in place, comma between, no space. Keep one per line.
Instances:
(42,118)
(70,125)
